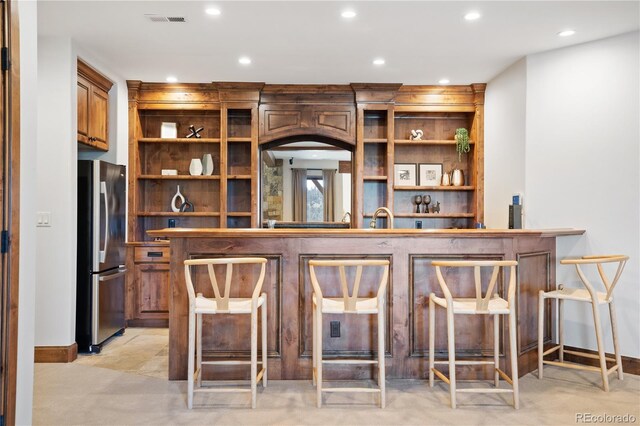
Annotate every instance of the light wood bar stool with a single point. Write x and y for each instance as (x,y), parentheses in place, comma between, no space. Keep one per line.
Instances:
(221,303)
(348,304)
(489,304)
(595,298)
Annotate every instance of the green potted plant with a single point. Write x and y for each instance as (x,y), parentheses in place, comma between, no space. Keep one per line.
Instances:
(462,142)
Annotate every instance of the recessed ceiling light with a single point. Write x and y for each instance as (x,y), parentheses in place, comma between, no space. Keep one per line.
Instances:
(566,33)
(212,11)
(348,14)
(472,16)
(443,81)
(172,79)
(244,60)
(378,61)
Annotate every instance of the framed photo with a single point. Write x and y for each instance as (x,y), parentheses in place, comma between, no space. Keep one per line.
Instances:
(430,174)
(405,174)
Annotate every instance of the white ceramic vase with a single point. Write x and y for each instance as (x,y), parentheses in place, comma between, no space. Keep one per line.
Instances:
(195,168)
(178,197)
(207,165)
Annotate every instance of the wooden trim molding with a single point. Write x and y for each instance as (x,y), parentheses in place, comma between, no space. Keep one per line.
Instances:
(94,76)
(629,365)
(61,354)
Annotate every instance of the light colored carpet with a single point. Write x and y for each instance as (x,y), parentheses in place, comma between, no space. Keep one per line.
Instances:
(126,384)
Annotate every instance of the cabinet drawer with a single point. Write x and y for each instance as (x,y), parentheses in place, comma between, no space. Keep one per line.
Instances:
(151,254)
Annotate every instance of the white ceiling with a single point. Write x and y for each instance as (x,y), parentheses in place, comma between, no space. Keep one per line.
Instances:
(309,42)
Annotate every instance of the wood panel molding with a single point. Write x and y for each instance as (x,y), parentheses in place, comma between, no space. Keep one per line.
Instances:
(86,71)
(58,354)
(534,274)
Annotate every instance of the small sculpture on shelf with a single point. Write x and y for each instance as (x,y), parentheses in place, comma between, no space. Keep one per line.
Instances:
(417,200)
(416,135)
(195,133)
(426,199)
(436,207)
(178,197)
(187,206)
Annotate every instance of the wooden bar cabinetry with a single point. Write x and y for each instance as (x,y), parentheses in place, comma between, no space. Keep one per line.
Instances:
(148,286)
(93,108)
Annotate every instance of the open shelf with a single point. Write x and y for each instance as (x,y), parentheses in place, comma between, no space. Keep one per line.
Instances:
(179,177)
(170,214)
(239,139)
(375,140)
(239,214)
(427,142)
(434,188)
(432,215)
(374,178)
(238,177)
(179,140)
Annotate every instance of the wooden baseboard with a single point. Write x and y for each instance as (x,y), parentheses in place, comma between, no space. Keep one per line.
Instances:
(151,323)
(56,353)
(629,365)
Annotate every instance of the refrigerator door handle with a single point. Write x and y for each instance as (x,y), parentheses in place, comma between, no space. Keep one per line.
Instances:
(103,191)
(112,276)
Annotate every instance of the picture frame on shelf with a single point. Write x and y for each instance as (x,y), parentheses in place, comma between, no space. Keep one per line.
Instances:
(430,174)
(405,174)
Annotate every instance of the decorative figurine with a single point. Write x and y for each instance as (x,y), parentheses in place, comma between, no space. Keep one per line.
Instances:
(416,135)
(195,133)
(436,208)
(187,206)
(426,199)
(176,207)
(417,200)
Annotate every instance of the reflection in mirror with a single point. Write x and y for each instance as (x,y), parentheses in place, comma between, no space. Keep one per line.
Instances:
(306,184)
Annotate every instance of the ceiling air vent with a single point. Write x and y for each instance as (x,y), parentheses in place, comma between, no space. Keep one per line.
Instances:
(160,18)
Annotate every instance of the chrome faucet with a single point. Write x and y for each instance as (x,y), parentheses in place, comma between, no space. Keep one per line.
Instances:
(344,218)
(372,224)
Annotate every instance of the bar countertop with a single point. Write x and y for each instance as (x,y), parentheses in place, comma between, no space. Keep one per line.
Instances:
(358,233)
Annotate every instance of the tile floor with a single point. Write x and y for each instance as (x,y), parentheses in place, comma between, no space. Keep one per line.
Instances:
(126,384)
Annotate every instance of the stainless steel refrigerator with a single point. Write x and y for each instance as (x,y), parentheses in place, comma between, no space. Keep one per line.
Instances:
(101,253)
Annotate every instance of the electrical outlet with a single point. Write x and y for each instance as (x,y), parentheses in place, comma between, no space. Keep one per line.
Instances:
(335,328)
(43,219)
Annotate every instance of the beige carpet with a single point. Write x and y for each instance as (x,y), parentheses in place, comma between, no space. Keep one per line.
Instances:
(126,384)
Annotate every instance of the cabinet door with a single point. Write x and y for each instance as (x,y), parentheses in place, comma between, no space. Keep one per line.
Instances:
(98,122)
(84,87)
(152,289)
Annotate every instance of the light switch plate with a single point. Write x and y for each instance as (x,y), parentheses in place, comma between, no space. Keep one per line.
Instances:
(43,219)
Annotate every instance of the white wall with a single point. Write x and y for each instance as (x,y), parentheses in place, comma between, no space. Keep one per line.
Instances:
(580,164)
(56,175)
(28,119)
(505,124)
(582,167)
(56,189)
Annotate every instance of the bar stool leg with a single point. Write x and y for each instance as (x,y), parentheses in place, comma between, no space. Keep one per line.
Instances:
(264,340)
(314,355)
(452,355)
(318,336)
(603,361)
(561,328)
(254,354)
(614,332)
(199,350)
(381,372)
(540,332)
(432,338)
(190,366)
(496,350)
(513,351)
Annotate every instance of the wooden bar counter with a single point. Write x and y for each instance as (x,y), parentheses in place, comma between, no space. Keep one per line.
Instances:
(412,279)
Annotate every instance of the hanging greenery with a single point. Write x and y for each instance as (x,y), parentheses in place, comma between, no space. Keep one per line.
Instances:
(462,142)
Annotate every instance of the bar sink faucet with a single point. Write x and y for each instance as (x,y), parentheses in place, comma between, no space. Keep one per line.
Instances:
(372,224)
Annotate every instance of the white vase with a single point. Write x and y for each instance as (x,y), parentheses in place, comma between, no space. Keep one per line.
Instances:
(175,198)
(195,168)
(207,165)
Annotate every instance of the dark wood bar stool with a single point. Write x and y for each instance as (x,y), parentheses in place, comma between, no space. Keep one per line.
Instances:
(587,294)
(221,303)
(348,304)
(488,304)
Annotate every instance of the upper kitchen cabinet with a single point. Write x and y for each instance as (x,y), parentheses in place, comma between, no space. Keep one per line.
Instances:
(93,108)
